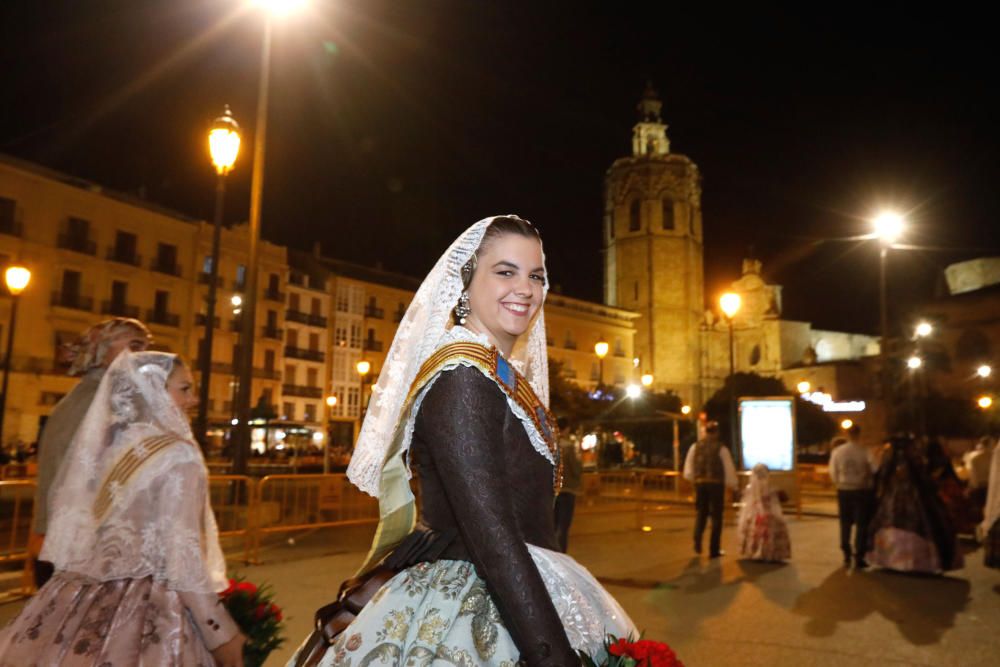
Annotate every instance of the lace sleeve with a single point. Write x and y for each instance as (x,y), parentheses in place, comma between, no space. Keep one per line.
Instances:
(460,421)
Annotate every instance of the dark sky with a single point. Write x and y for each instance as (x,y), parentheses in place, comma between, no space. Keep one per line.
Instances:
(396,123)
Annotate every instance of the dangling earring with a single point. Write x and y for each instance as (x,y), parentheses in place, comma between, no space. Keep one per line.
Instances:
(462,310)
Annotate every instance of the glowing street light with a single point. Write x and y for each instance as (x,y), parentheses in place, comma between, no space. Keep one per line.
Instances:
(331,401)
(730,303)
(647,379)
(984,371)
(685,409)
(985,402)
(888,226)
(281,7)
(914,362)
(601,348)
(924,329)
(803,387)
(223,147)
(363,367)
(17,279)
(846,424)
(633,391)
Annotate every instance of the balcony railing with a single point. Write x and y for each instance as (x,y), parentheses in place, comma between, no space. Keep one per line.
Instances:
(267,373)
(11,228)
(274,295)
(305,318)
(119,309)
(570,345)
(272,332)
(201,318)
(206,279)
(74,301)
(163,317)
(301,353)
(164,267)
(122,257)
(373,345)
(374,312)
(77,244)
(302,391)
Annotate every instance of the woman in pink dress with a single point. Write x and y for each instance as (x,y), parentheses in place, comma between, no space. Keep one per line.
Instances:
(763,533)
(132,537)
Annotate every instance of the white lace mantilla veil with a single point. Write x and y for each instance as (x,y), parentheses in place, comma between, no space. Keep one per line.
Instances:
(155,522)
(423,330)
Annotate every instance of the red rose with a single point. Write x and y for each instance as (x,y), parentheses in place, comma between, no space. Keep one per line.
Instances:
(229,590)
(619,648)
(246,587)
(276,612)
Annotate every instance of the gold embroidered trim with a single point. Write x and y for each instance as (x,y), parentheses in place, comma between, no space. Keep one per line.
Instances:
(126,466)
(486,360)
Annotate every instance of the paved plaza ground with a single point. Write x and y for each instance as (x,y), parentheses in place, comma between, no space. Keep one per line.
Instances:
(717,612)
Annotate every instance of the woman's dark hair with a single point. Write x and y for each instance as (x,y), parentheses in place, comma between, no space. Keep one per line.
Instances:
(501,226)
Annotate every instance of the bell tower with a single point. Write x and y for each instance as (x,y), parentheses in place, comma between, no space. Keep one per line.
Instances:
(653,255)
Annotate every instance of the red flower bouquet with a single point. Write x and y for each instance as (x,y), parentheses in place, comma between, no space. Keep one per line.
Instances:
(634,653)
(258,617)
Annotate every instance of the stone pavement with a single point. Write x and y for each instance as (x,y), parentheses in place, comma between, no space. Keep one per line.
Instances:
(721,612)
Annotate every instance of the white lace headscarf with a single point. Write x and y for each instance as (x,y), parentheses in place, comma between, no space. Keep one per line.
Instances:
(757,498)
(419,334)
(158,522)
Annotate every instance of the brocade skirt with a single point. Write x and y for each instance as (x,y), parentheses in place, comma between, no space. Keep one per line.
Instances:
(440,613)
(75,621)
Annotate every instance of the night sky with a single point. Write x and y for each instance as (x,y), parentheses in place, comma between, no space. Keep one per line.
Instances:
(397,123)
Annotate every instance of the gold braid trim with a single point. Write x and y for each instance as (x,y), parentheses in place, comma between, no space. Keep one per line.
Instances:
(126,466)
(516,387)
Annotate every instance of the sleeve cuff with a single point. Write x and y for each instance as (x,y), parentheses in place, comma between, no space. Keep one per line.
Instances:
(214,623)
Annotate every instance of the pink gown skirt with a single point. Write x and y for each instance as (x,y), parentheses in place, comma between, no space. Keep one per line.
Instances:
(75,621)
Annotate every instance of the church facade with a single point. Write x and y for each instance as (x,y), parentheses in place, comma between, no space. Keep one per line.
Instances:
(654,265)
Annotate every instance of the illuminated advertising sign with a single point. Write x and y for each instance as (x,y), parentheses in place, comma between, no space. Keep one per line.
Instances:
(767,432)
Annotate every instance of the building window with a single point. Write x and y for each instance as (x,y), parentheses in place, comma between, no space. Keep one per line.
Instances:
(569,343)
(317,307)
(668,214)
(289,411)
(340,336)
(8,209)
(71,285)
(124,250)
(269,360)
(241,276)
(206,264)
(292,338)
(314,342)
(355,335)
(634,217)
(312,377)
(310,415)
(290,374)
(293,301)
(166,258)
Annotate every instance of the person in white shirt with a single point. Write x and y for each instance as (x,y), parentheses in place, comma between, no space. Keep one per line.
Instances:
(851,469)
(977,463)
(710,466)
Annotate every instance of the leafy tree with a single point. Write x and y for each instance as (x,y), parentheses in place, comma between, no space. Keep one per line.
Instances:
(812,425)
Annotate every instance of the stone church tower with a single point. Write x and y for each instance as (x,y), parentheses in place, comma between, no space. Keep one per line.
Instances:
(653,252)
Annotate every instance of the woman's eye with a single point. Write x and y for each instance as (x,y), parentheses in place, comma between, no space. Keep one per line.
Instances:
(540,279)
(506,274)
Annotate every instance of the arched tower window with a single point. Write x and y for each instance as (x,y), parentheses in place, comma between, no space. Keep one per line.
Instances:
(668,214)
(634,223)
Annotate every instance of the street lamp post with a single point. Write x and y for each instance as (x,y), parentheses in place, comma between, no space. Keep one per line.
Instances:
(331,403)
(888,226)
(17,279)
(224,146)
(601,350)
(241,451)
(730,303)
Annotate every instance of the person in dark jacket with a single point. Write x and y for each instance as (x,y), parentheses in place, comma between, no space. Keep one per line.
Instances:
(569,454)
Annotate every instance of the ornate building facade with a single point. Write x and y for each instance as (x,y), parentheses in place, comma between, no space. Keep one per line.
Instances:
(653,252)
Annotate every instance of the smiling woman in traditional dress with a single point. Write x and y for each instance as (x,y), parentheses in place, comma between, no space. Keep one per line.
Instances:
(463,398)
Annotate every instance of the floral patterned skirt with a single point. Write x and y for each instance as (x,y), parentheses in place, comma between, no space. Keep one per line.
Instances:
(904,551)
(75,621)
(764,536)
(441,614)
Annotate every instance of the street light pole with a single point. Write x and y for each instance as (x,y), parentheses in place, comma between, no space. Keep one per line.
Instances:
(241,449)
(730,304)
(17,278)
(224,145)
(888,226)
(601,350)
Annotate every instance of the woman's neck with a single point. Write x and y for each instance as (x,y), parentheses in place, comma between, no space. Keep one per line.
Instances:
(505,344)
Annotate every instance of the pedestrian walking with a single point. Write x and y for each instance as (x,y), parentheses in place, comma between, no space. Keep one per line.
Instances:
(709,465)
(852,472)
(910,530)
(572,466)
(989,529)
(763,533)
(89,357)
